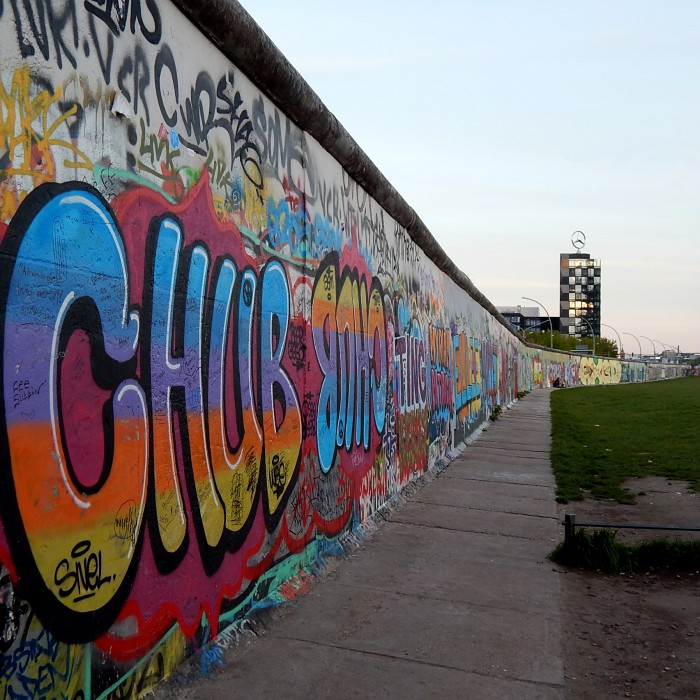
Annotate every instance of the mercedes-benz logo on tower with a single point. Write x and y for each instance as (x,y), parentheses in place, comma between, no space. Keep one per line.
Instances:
(578,239)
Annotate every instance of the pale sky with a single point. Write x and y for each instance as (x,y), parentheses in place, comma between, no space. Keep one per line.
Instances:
(509,124)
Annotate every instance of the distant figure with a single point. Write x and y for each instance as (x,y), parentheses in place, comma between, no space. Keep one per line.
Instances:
(557,383)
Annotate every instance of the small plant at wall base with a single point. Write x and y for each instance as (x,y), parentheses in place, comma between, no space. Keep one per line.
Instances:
(522,394)
(496,412)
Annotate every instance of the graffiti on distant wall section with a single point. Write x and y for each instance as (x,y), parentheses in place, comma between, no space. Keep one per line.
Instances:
(218,353)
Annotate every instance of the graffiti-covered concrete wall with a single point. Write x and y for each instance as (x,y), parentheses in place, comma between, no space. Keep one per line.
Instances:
(225,341)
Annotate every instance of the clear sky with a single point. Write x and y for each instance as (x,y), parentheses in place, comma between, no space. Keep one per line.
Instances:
(509,124)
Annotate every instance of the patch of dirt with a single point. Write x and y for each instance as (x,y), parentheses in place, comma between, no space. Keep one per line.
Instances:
(659,502)
(634,636)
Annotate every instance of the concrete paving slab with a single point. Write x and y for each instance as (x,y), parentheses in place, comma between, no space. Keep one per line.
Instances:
(507,438)
(443,492)
(487,488)
(408,559)
(408,541)
(517,474)
(528,449)
(408,536)
(428,630)
(297,670)
(499,449)
(526,471)
(505,454)
(510,524)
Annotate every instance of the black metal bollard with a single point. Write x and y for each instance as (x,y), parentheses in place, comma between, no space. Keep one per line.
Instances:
(569,527)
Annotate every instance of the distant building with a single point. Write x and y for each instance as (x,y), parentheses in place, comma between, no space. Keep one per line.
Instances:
(579,294)
(676,357)
(527,318)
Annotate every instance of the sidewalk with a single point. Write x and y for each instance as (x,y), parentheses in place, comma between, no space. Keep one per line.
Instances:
(451,598)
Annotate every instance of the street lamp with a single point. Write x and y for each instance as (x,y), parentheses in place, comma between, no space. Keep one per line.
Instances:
(621,349)
(592,331)
(652,344)
(551,332)
(637,339)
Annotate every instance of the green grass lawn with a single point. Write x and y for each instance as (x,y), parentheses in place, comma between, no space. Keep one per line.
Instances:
(603,435)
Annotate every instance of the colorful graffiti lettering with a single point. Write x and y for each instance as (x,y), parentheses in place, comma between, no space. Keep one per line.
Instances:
(349,339)
(467,370)
(441,390)
(192,313)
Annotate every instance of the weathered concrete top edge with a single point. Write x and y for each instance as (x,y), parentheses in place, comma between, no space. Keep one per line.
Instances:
(242,40)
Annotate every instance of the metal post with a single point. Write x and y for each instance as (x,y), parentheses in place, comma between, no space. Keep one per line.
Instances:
(569,527)
(637,339)
(551,333)
(620,350)
(652,344)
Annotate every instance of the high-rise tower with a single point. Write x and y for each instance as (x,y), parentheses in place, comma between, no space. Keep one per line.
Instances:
(579,291)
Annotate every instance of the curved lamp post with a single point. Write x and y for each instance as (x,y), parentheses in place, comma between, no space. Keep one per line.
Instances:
(620,348)
(652,344)
(592,331)
(551,332)
(637,339)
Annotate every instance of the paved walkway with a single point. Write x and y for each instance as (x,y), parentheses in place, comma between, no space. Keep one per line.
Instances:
(451,598)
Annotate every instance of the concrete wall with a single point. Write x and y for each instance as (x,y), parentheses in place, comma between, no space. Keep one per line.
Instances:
(224,343)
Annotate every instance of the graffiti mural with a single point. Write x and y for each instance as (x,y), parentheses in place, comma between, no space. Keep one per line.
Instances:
(219,354)
(599,370)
